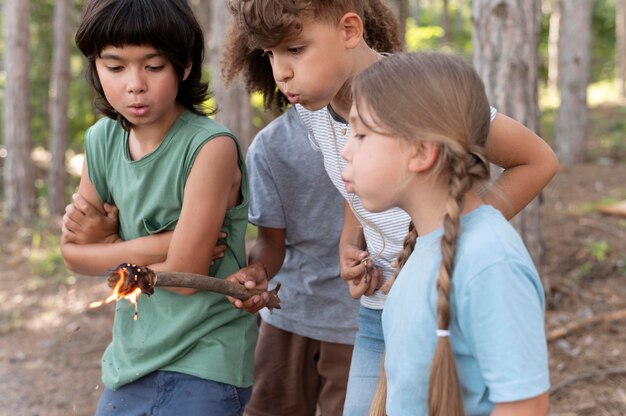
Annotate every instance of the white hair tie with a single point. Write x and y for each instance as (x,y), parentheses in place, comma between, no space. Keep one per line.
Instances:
(443,333)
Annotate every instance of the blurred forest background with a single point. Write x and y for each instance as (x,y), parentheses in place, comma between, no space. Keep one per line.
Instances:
(558,66)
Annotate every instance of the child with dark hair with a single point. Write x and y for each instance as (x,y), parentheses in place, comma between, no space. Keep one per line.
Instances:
(178,180)
(309,51)
(463,322)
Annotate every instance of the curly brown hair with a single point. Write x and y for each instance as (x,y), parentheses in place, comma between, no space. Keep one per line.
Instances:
(258,24)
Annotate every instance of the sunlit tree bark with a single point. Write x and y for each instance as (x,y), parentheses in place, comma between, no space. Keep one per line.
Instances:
(19,171)
(570,137)
(620,17)
(445,22)
(403,15)
(59,99)
(553,47)
(505,42)
(233,103)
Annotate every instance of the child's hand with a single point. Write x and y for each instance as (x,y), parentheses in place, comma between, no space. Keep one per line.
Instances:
(387,286)
(365,285)
(252,276)
(83,223)
(220,247)
(352,262)
(357,271)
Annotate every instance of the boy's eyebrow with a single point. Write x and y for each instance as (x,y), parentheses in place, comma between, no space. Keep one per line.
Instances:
(110,55)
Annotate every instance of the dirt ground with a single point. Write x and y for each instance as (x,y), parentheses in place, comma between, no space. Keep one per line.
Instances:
(50,342)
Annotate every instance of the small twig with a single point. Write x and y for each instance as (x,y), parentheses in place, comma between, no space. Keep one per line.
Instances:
(366,275)
(575,326)
(585,375)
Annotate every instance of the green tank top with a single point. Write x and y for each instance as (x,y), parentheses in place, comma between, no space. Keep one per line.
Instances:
(202,335)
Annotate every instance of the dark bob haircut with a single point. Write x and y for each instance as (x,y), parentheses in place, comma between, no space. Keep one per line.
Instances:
(167,25)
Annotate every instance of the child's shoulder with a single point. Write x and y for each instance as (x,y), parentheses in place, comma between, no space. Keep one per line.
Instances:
(104,133)
(487,239)
(281,130)
(105,125)
(202,125)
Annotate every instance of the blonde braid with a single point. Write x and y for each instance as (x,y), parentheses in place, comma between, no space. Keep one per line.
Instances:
(444,392)
(407,247)
(379,401)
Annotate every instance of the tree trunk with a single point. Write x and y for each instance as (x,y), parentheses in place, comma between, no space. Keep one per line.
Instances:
(620,25)
(202,10)
(19,170)
(505,42)
(570,137)
(233,103)
(553,47)
(59,98)
(445,22)
(234,107)
(403,15)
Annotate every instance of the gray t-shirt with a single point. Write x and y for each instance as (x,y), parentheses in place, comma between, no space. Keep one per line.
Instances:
(290,189)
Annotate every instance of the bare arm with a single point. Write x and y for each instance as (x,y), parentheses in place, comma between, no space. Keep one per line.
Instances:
(213,185)
(105,250)
(265,260)
(536,406)
(206,198)
(528,163)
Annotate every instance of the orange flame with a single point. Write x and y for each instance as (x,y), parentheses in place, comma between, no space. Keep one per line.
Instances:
(117,294)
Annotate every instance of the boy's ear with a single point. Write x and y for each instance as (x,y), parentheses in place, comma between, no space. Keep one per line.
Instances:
(425,155)
(352,27)
(187,70)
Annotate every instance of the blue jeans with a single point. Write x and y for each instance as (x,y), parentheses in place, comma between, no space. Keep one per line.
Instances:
(369,346)
(168,393)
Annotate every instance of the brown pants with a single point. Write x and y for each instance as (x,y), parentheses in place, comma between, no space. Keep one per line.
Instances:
(295,375)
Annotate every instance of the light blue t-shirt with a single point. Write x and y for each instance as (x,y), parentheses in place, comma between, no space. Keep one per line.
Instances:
(497,327)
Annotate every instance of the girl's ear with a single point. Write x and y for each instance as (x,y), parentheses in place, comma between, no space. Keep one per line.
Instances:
(187,70)
(352,27)
(425,155)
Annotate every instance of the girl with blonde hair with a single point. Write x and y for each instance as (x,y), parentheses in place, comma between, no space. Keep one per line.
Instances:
(463,323)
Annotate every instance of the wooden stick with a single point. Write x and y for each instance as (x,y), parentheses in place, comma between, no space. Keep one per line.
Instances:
(146,279)
(575,326)
(213,284)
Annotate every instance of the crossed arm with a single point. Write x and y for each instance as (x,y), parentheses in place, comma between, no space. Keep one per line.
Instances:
(213,185)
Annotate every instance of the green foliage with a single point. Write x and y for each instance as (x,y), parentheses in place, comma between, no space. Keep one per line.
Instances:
(603,40)
(621,265)
(9,319)
(45,257)
(428,34)
(598,250)
(251,232)
(41,37)
(81,112)
(607,119)
(422,37)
